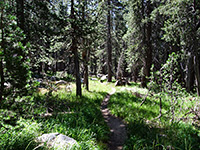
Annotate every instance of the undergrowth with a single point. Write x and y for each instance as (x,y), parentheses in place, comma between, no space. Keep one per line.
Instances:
(78,118)
(145,132)
(81,119)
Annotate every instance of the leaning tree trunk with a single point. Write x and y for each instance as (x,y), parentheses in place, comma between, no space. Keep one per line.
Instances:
(74,49)
(109,43)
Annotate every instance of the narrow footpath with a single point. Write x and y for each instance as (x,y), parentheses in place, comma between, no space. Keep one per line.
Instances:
(118,133)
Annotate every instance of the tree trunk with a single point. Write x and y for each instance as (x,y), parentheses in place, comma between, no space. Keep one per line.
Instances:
(197,74)
(86,81)
(148,48)
(2,51)
(189,80)
(85,56)
(119,73)
(86,51)
(109,43)
(20,14)
(74,49)
(95,65)
(196,56)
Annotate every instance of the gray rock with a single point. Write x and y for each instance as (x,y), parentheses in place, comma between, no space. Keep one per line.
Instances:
(57,141)
(63,141)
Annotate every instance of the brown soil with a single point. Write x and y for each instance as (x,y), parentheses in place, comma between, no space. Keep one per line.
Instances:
(117,127)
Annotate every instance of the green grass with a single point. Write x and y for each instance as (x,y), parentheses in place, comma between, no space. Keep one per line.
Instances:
(146,133)
(79,118)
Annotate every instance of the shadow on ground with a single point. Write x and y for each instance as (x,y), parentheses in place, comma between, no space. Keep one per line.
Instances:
(144,134)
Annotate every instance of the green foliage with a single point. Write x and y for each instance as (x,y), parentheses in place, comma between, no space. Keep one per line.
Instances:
(166,83)
(20,136)
(15,62)
(79,118)
(144,132)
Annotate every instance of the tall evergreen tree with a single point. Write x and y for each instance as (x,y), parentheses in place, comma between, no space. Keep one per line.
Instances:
(14,60)
(74,49)
(109,41)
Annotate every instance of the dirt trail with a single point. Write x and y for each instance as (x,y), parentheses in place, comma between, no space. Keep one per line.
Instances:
(117,127)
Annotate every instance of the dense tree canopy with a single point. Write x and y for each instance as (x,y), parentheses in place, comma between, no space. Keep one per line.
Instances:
(90,37)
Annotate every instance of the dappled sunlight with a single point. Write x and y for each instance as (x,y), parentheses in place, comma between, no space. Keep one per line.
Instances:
(82,68)
(144,131)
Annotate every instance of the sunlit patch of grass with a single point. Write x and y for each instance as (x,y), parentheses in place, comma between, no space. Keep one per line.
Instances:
(133,88)
(125,104)
(86,123)
(20,136)
(76,117)
(97,86)
(144,132)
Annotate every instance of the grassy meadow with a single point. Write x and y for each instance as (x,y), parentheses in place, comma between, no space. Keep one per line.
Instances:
(147,131)
(81,119)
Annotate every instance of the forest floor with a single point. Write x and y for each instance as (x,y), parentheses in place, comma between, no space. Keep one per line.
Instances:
(117,127)
(95,119)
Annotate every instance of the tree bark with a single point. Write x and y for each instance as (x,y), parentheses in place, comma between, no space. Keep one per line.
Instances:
(148,48)
(86,51)
(197,74)
(85,56)
(74,49)
(109,43)
(189,80)
(119,73)
(3,51)
(20,14)
(196,56)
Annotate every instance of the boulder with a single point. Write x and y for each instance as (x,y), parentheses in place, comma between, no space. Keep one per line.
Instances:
(57,141)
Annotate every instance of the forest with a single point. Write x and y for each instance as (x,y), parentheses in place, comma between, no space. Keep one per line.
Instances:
(100,74)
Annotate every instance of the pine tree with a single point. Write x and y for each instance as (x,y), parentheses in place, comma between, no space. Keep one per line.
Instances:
(109,42)
(14,60)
